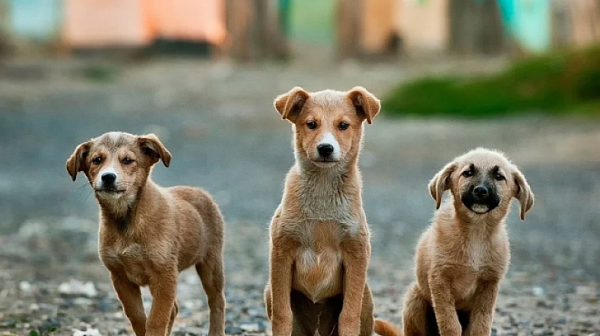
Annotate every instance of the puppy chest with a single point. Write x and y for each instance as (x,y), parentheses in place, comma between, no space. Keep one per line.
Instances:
(318,274)
(133,260)
(318,267)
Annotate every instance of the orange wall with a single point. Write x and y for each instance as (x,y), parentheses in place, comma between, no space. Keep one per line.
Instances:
(99,23)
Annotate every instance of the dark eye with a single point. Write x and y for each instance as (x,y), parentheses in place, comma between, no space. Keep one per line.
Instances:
(311,124)
(467,173)
(97,160)
(343,126)
(499,177)
(127,161)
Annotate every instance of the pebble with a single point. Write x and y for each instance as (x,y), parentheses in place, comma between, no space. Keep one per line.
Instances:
(87,332)
(538,291)
(233,330)
(77,288)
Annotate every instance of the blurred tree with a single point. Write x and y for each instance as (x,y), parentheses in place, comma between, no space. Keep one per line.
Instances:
(4,27)
(255,31)
(349,19)
(476,27)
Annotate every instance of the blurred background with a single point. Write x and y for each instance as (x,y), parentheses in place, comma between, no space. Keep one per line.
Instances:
(521,76)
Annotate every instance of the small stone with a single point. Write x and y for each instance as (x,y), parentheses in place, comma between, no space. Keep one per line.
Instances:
(249,327)
(106,305)
(77,288)
(538,325)
(538,291)
(233,330)
(88,332)
(25,286)
(561,320)
(538,332)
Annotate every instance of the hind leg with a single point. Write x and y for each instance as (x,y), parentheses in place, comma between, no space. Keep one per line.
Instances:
(213,280)
(269,302)
(366,315)
(415,318)
(174,313)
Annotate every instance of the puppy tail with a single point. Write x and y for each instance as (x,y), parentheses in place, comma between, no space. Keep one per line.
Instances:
(385,328)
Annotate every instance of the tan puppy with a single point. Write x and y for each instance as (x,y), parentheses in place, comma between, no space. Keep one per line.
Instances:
(465,253)
(148,234)
(320,244)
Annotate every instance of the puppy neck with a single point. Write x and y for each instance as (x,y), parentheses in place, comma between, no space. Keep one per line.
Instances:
(327,194)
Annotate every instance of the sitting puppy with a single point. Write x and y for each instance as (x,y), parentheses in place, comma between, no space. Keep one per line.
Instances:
(320,245)
(465,253)
(148,234)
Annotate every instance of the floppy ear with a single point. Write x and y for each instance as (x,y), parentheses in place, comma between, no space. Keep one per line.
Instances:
(523,193)
(290,104)
(76,162)
(366,104)
(440,183)
(152,147)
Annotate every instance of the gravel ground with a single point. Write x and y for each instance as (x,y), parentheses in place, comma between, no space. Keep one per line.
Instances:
(218,122)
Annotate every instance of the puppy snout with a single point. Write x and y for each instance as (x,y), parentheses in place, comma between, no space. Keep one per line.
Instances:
(325,150)
(109,178)
(481,192)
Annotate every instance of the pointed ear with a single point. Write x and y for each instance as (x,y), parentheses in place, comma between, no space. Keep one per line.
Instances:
(440,183)
(366,104)
(152,147)
(523,193)
(76,162)
(290,104)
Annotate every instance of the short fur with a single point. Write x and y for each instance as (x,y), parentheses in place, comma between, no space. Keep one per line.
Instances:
(464,255)
(148,234)
(320,244)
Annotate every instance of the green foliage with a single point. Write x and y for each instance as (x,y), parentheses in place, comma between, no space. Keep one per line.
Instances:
(47,332)
(100,73)
(552,83)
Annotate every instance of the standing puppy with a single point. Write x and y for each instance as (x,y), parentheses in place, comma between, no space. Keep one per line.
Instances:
(465,253)
(148,234)
(320,244)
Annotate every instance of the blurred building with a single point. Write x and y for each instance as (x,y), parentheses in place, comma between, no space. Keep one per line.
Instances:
(264,28)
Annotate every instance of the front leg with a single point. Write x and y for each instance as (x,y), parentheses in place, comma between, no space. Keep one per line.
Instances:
(163,287)
(355,254)
(444,305)
(482,313)
(130,296)
(281,263)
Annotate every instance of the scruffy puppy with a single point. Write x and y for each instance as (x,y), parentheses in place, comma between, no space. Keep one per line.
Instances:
(464,255)
(320,245)
(148,234)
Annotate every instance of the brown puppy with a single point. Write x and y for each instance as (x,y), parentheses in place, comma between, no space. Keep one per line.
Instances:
(464,255)
(320,244)
(148,234)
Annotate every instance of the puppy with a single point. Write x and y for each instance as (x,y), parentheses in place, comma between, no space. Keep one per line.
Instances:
(320,248)
(464,255)
(148,234)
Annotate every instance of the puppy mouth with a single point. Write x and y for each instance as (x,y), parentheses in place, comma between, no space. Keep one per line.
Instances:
(324,162)
(480,208)
(110,191)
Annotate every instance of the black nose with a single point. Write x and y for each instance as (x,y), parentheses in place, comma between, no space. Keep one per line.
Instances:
(325,150)
(480,191)
(109,178)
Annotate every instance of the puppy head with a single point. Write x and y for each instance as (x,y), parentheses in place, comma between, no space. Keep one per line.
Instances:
(482,182)
(117,164)
(327,124)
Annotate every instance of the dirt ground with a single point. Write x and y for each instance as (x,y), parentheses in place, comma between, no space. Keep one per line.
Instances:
(217,120)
